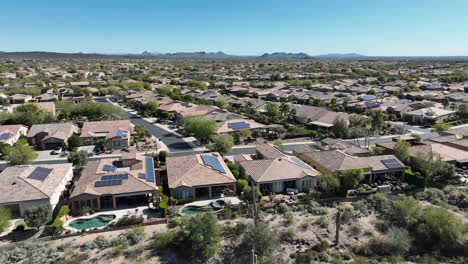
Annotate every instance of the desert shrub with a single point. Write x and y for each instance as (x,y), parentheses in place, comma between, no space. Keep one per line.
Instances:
(382,226)
(306,257)
(234,230)
(116,251)
(283,208)
(362,207)
(135,252)
(304,225)
(78,258)
(380,203)
(135,235)
(321,246)
(288,218)
(398,241)
(355,229)
(432,195)
(64,246)
(347,214)
(119,241)
(227,212)
(27,251)
(261,238)
(165,240)
(101,242)
(288,233)
(21,227)
(322,221)
(87,245)
(316,209)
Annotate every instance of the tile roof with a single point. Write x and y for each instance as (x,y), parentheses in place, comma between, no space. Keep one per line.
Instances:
(94,171)
(189,170)
(16,186)
(110,128)
(276,169)
(59,130)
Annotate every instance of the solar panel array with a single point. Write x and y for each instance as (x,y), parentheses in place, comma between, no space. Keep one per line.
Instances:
(109,168)
(371,104)
(142,175)
(150,169)
(300,163)
(40,173)
(238,125)
(108,183)
(186,104)
(392,164)
(5,136)
(114,177)
(213,162)
(121,133)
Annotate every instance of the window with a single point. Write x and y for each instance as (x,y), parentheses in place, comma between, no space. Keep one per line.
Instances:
(95,203)
(306,183)
(76,205)
(183,194)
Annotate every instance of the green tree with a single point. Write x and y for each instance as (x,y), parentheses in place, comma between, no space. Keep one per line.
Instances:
(434,168)
(142,131)
(5,216)
(272,111)
(200,128)
(21,154)
(73,142)
(79,158)
(283,110)
(248,191)
(262,239)
(439,127)
(221,103)
(164,90)
(340,128)
(445,102)
(328,183)
(350,178)
(163,155)
(201,235)
(221,143)
(401,151)
(152,106)
(38,216)
(245,133)
(378,118)
(240,185)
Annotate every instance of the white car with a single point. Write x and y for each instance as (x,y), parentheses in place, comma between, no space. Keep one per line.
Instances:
(57,151)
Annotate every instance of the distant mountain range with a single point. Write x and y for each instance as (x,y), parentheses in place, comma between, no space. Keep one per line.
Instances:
(207,55)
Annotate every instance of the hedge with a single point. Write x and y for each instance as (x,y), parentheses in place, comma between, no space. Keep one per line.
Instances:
(57,224)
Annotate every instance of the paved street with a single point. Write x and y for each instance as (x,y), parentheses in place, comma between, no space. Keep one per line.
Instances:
(174,142)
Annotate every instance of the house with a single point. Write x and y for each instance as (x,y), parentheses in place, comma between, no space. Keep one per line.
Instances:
(112,183)
(73,97)
(345,146)
(51,136)
(198,176)
(334,161)
(9,134)
(318,116)
(277,172)
(20,98)
(118,132)
(27,186)
(47,106)
(183,109)
(427,116)
(47,97)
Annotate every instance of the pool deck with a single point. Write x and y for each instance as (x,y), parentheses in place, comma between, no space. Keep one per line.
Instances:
(119,213)
(232,200)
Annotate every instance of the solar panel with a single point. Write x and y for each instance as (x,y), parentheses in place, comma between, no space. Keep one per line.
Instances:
(213,162)
(39,173)
(186,104)
(5,136)
(121,133)
(392,164)
(150,169)
(238,125)
(108,168)
(142,175)
(108,183)
(371,104)
(300,163)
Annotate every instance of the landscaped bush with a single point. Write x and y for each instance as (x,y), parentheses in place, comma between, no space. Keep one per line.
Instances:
(130,220)
(380,203)
(57,224)
(432,195)
(135,235)
(181,201)
(296,131)
(234,230)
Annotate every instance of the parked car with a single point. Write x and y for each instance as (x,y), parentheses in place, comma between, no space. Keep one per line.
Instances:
(56,151)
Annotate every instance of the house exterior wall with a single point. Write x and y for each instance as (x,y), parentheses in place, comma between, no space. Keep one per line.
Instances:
(55,197)
(33,203)
(312,163)
(75,201)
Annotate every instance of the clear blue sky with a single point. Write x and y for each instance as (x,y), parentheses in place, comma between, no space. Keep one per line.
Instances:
(244,27)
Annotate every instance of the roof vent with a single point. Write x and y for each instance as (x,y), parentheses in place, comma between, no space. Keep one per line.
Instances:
(215,154)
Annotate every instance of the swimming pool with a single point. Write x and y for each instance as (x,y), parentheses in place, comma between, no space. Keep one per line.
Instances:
(93,222)
(211,207)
